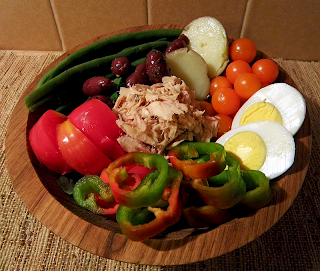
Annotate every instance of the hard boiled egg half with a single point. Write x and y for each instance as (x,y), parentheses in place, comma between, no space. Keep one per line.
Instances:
(278,102)
(262,145)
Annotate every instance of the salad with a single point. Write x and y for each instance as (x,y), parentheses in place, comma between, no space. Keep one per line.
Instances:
(179,128)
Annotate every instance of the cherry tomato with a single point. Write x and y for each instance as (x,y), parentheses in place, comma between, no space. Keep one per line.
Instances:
(235,68)
(246,85)
(207,108)
(219,82)
(225,101)
(98,123)
(243,49)
(224,124)
(42,138)
(266,70)
(79,152)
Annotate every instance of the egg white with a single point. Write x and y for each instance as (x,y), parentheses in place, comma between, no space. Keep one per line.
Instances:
(288,100)
(280,145)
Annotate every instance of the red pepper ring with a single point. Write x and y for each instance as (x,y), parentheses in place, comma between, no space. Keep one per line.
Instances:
(187,158)
(151,188)
(137,225)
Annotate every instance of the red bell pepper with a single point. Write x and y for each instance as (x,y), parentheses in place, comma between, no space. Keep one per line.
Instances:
(80,153)
(98,123)
(43,141)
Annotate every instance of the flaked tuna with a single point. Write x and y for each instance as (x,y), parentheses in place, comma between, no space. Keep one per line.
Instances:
(155,118)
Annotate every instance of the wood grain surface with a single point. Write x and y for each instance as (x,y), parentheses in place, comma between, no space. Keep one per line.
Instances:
(56,210)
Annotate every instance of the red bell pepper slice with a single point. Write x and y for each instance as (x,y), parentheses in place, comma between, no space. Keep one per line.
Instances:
(98,123)
(43,141)
(79,152)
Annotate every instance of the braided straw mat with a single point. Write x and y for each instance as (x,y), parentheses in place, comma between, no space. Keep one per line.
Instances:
(25,244)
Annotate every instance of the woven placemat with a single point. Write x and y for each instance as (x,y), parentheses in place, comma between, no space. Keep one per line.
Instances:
(25,244)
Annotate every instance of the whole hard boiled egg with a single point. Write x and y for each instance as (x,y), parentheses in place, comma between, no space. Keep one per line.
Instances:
(262,145)
(278,102)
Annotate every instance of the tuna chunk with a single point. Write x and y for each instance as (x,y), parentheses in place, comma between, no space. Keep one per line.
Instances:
(155,118)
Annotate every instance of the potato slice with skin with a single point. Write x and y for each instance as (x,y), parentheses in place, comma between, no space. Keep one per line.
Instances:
(189,66)
(208,38)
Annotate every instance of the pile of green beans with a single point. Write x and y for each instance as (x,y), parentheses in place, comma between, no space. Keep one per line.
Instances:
(94,60)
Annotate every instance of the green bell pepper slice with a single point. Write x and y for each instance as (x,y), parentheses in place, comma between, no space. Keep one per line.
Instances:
(139,224)
(150,189)
(84,195)
(259,193)
(198,160)
(230,193)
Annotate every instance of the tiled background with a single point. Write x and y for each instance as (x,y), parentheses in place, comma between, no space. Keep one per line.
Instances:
(281,28)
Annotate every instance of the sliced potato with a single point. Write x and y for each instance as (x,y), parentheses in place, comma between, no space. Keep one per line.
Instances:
(189,66)
(209,39)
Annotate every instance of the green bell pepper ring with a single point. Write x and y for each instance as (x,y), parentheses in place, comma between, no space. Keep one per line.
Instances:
(227,195)
(150,189)
(83,194)
(198,160)
(259,193)
(144,223)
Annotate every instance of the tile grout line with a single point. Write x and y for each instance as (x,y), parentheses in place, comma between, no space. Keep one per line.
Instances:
(244,19)
(57,25)
(148,13)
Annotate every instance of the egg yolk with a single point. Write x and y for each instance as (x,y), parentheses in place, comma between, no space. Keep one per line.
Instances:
(248,148)
(261,111)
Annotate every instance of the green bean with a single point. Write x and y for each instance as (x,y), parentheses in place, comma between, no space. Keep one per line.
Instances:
(108,46)
(74,77)
(138,61)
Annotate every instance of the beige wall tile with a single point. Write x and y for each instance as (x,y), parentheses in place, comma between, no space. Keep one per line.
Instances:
(229,13)
(81,20)
(28,25)
(287,29)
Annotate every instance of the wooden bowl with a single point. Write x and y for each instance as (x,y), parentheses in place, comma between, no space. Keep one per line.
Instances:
(57,211)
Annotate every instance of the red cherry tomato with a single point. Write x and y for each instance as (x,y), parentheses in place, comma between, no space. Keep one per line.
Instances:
(225,101)
(224,124)
(79,152)
(266,70)
(42,138)
(98,123)
(219,82)
(207,108)
(246,85)
(243,49)
(235,68)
